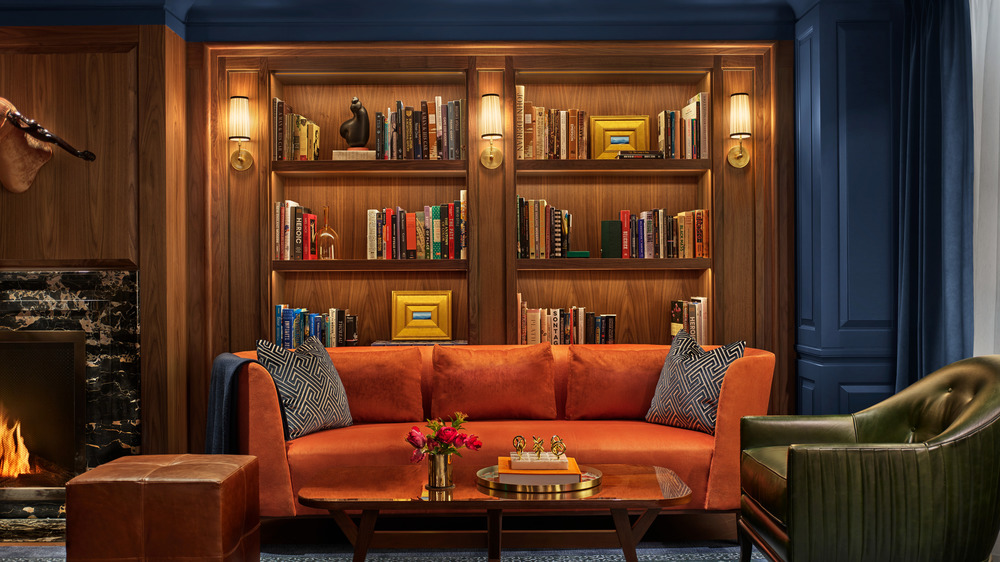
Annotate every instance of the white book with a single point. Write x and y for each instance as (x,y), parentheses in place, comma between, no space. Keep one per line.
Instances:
(440,127)
(650,247)
(372,237)
(332,332)
(563,148)
(555,335)
(533,325)
(286,252)
(701,322)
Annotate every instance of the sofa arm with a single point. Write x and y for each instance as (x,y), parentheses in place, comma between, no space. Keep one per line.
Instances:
(746,390)
(769,431)
(262,434)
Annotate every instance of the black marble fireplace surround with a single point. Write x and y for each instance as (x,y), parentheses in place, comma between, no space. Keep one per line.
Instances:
(104,305)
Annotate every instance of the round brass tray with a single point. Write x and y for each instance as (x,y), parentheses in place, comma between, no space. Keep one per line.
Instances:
(489,478)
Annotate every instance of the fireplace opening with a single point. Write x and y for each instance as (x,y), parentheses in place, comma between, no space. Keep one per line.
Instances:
(42,401)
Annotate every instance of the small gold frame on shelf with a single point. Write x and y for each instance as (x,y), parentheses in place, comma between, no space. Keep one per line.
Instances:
(421,315)
(611,133)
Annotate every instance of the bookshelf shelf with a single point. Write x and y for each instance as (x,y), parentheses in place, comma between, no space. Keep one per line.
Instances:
(369,265)
(652,167)
(390,168)
(613,264)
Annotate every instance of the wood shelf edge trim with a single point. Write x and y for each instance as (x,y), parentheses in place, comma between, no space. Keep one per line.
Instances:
(67,265)
(622,264)
(368,265)
(438,168)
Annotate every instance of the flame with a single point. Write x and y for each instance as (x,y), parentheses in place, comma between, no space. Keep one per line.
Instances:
(13,453)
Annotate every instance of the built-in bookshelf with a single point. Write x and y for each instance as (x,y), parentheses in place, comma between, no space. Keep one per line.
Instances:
(737,278)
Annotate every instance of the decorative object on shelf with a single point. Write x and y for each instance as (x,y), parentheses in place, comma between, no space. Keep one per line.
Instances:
(355,130)
(421,315)
(23,154)
(519,444)
(610,134)
(491,128)
(739,128)
(443,440)
(239,131)
(327,240)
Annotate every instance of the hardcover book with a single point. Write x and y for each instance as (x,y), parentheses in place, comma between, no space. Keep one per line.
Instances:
(611,239)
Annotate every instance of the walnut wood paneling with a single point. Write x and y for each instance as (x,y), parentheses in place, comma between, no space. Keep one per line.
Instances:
(369,295)
(488,266)
(163,229)
(640,299)
(199,357)
(76,212)
(734,234)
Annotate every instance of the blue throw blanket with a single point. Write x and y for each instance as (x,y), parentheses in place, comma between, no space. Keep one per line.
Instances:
(222,392)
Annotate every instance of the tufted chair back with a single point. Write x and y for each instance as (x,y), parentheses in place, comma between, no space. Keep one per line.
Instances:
(948,404)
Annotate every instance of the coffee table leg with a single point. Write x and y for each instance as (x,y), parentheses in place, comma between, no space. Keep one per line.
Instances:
(366,531)
(494,529)
(624,530)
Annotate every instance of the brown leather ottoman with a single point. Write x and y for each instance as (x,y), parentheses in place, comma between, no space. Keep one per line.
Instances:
(165,507)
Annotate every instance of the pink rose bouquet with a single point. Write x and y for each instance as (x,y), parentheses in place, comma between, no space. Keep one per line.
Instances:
(443,438)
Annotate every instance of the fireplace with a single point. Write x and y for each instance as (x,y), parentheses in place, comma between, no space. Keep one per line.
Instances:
(41,408)
(69,378)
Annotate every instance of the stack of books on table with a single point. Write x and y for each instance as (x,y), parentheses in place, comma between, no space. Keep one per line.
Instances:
(569,474)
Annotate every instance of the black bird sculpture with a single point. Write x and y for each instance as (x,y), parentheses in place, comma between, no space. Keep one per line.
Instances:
(355,129)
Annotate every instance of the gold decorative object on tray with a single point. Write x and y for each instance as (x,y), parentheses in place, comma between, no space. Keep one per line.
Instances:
(519,444)
(557,447)
(421,315)
(489,478)
(612,133)
(539,446)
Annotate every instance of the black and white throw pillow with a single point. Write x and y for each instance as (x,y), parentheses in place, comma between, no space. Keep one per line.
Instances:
(312,395)
(687,394)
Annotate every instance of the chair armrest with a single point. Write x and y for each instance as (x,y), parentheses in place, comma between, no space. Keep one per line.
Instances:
(769,431)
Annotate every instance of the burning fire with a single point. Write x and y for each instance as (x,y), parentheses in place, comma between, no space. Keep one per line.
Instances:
(13,453)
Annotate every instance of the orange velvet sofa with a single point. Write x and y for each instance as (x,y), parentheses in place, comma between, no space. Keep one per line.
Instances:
(593,396)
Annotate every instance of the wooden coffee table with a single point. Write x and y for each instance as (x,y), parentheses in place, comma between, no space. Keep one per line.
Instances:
(375,489)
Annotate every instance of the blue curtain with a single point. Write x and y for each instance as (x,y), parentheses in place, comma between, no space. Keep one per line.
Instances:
(936,191)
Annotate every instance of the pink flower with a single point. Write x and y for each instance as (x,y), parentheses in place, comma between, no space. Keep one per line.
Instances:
(416,438)
(473,443)
(417,456)
(446,435)
(460,439)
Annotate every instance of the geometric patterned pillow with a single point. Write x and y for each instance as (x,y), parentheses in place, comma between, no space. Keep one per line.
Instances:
(312,396)
(687,394)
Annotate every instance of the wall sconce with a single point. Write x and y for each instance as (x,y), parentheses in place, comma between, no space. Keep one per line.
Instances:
(739,128)
(239,131)
(491,127)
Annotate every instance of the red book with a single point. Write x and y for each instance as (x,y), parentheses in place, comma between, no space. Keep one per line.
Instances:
(309,236)
(451,231)
(625,216)
(388,236)
(411,236)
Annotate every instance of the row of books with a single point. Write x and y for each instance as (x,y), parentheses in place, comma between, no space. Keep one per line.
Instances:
(685,133)
(433,130)
(335,328)
(547,133)
(296,137)
(543,230)
(690,315)
(563,326)
(657,234)
(437,232)
(296,233)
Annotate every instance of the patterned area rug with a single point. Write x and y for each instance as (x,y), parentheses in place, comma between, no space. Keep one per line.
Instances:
(702,552)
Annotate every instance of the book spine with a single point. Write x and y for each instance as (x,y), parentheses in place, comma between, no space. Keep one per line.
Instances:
(408,132)
(439,117)
(372,252)
(583,142)
(519,122)
(572,122)
(563,148)
(379,135)
(464,222)
(418,147)
(436,232)
(425,144)
(418,234)
(401,233)
(625,216)
(462,127)
(445,125)
(428,237)
(453,148)
(529,130)
(411,236)
(432,134)
(299,234)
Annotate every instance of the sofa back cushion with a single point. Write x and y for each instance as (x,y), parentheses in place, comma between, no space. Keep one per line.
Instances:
(382,384)
(607,384)
(490,383)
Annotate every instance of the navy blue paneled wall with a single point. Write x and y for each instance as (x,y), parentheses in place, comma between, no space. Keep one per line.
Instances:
(847,87)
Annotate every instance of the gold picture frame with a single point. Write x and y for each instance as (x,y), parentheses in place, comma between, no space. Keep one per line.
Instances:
(421,315)
(611,133)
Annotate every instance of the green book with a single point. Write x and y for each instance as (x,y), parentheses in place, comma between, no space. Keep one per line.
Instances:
(435,232)
(611,239)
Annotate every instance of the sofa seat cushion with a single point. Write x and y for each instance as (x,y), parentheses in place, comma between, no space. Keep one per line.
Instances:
(589,441)
(764,477)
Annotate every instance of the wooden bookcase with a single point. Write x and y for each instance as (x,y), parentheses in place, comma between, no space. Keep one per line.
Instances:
(747,279)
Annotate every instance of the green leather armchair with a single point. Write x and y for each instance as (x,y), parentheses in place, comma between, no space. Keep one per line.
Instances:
(914,477)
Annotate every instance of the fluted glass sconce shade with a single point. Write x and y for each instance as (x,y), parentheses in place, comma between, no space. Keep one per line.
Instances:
(239,131)
(491,127)
(739,128)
